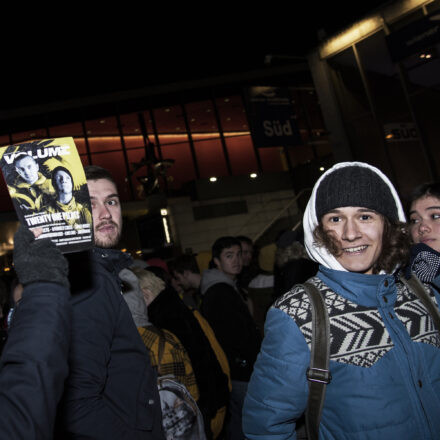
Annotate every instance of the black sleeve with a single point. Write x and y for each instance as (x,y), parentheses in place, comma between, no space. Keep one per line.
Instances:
(34,365)
(234,328)
(168,311)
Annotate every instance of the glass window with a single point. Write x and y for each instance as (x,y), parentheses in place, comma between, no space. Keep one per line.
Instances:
(239,146)
(201,118)
(210,158)
(103,134)
(366,137)
(74,130)
(170,125)
(182,169)
(5,140)
(131,129)
(241,154)
(273,159)
(393,113)
(232,115)
(115,163)
(29,135)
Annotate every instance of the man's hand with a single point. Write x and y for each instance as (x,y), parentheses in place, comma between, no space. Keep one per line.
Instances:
(38,260)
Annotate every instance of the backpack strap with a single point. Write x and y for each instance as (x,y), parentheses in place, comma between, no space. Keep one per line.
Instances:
(416,286)
(318,373)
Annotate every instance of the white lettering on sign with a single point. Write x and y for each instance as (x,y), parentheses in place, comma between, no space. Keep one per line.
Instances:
(403,132)
(275,128)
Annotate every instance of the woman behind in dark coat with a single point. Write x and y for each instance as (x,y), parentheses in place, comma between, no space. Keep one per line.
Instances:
(167,311)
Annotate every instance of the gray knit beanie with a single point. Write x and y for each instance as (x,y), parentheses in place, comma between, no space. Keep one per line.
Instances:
(355,186)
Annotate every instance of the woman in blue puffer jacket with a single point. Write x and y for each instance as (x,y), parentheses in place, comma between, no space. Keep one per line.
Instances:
(384,348)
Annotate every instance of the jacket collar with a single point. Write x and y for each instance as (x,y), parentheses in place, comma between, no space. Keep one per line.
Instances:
(113,260)
(366,290)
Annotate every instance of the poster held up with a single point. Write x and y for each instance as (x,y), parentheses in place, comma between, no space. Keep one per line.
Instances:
(48,188)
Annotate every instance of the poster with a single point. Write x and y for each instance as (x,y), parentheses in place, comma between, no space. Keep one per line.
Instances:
(48,188)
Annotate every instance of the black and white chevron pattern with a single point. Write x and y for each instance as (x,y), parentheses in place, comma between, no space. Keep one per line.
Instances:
(358,335)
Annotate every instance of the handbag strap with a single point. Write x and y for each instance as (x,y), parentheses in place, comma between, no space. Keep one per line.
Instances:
(318,373)
(416,286)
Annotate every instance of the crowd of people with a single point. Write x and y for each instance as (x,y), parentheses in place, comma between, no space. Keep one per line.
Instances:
(85,335)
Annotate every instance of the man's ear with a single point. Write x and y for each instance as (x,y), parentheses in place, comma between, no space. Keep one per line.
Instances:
(216,262)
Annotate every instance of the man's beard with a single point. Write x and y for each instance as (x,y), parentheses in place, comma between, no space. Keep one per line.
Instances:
(108,241)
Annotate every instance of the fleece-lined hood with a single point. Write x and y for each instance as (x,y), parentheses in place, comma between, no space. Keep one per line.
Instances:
(134,298)
(214,276)
(310,220)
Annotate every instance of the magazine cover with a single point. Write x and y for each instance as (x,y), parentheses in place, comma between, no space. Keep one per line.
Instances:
(48,188)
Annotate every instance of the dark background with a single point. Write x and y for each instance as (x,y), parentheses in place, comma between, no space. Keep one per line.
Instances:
(78,51)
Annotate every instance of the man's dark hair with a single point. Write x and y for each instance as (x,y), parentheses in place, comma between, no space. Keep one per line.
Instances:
(395,245)
(95,172)
(425,190)
(184,262)
(223,243)
(243,238)
(54,173)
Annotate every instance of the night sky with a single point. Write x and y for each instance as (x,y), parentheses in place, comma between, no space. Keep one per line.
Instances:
(101,55)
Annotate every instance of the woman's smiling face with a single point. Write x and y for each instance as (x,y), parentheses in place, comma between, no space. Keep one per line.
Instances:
(424,220)
(358,232)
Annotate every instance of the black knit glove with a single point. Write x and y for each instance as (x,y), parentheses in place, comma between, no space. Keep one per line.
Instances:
(425,262)
(38,260)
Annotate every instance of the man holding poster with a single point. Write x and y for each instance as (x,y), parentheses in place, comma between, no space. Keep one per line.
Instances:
(111,391)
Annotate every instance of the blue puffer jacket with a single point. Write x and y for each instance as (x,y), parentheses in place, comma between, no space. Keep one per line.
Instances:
(385,363)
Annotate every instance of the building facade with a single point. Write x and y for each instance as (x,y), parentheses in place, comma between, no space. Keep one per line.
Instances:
(185,160)
(378,84)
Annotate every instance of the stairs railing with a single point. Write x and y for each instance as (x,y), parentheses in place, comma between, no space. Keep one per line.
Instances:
(286,208)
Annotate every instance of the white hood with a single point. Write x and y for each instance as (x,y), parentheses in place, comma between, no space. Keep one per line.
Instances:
(310,222)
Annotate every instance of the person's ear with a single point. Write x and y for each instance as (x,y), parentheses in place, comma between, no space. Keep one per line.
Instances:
(216,262)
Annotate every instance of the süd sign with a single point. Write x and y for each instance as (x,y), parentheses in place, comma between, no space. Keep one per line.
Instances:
(272,117)
(401,132)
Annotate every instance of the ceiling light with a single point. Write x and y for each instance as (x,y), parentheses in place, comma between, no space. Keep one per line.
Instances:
(321,168)
(167,110)
(102,121)
(253,175)
(213,179)
(428,55)
(163,212)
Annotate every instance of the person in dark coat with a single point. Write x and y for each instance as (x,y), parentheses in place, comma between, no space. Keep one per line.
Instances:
(227,312)
(167,311)
(33,364)
(111,391)
(292,264)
